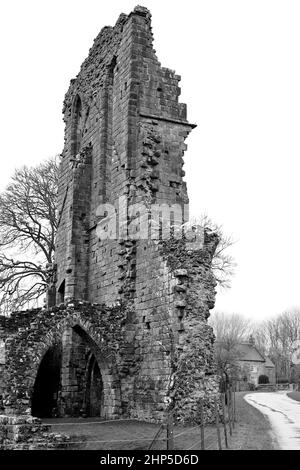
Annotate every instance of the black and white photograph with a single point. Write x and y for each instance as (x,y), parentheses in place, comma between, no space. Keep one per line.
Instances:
(149,229)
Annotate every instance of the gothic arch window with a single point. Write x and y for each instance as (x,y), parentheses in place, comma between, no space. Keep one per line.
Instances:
(61,292)
(77,126)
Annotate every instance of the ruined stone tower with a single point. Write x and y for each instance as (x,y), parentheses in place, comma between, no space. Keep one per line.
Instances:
(124,138)
(126,328)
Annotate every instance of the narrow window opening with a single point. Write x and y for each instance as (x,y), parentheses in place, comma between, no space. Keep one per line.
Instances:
(61,292)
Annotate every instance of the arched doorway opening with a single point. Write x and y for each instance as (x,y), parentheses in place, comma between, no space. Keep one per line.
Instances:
(91,382)
(94,397)
(47,384)
(74,378)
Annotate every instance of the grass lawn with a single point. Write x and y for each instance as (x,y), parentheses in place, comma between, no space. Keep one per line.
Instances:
(294,395)
(94,434)
(252,431)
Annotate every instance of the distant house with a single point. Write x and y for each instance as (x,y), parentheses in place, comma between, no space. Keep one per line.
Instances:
(253,364)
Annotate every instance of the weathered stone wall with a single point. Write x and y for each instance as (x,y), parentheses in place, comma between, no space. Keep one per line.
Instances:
(252,370)
(184,291)
(28,433)
(133,130)
(102,331)
(132,345)
(270,372)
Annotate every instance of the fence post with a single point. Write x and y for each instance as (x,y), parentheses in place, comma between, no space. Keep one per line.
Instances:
(217,424)
(224,419)
(234,404)
(170,431)
(161,428)
(229,412)
(202,424)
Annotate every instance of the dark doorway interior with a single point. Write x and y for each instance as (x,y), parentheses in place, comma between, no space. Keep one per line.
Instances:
(47,384)
(94,389)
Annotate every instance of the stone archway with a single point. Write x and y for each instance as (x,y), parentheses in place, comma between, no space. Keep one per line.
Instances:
(47,384)
(87,375)
(94,397)
(82,335)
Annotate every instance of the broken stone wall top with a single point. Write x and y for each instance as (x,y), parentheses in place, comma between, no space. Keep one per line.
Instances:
(124,138)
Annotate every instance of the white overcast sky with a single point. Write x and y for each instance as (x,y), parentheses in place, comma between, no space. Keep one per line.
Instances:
(239,62)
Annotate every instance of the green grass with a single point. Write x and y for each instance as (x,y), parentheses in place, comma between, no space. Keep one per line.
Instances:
(294,395)
(252,431)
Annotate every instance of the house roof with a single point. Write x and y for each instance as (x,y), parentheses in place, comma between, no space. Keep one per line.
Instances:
(269,363)
(248,352)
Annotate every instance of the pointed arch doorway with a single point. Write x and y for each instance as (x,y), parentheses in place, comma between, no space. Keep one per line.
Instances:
(47,384)
(94,397)
(74,378)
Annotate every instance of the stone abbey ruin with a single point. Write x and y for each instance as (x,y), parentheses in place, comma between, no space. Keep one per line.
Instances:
(125,330)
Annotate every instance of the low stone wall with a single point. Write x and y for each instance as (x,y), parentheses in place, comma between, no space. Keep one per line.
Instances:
(28,433)
(283,386)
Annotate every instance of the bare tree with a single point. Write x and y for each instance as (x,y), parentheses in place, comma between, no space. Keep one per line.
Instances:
(223,263)
(230,330)
(260,338)
(226,359)
(27,229)
(280,335)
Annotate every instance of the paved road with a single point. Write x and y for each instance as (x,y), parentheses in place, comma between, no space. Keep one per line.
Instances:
(283,414)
